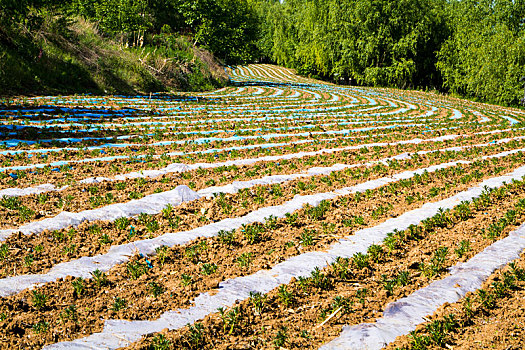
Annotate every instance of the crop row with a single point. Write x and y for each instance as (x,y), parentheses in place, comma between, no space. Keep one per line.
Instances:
(267,214)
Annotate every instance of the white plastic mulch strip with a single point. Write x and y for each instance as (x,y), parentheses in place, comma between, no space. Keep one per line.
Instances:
(402,316)
(180,167)
(119,333)
(154,203)
(151,204)
(82,267)
(19,192)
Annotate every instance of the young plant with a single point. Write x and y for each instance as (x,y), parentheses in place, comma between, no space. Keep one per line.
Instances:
(488,300)
(10,202)
(281,338)
(518,272)
(375,252)
(162,254)
(25,213)
(341,268)
(69,313)
(271,222)
(319,280)
(253,233)
(307,237)
(360,260)
(78,286)
(42,198)
(244,259)
(258,300)
(463,247)
(4,251)
(122,223)
(403,278)
(436,263)
(227,237)
(28,260)
(208,269)
(119,304)
(100,278)
(193,252)
(105,239)
(136,269)
(388,284)
(361,295)
(286,297)
(195,335)
(156,289)
(291,219)
(39,300)
(186,279)
(152,226)
(160,342)
(230,319)
(40,327)
(94,229)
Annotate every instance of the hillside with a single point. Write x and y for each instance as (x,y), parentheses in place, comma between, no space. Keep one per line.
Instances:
(278,212)
(72,56)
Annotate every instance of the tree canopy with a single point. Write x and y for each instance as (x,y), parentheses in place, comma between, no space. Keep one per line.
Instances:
(470,48)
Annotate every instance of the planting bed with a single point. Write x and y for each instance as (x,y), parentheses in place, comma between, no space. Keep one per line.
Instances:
(278,212)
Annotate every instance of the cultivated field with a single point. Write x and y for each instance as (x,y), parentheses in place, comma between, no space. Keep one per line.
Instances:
(278,212)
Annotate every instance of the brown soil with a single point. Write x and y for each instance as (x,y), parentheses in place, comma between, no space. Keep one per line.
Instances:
(80,197)
(278,244)
(99,168)
(501,327)
(39,252)
(301,320)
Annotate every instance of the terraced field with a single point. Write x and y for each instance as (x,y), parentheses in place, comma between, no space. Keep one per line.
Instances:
(279,212)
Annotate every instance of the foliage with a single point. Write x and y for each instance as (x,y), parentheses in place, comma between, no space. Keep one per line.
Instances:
(471,48)
(484,57)
(106,48)
(228,28)
(365,42)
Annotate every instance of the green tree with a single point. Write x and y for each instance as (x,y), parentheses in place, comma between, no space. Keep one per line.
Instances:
(228,28)
(485,55)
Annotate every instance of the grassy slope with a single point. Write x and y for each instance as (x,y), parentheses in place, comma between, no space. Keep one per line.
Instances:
(65,58)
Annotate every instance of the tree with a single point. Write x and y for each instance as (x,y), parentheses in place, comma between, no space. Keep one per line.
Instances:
(485,55)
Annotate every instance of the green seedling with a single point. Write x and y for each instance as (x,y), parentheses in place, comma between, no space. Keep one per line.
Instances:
(244,259)
(136,269)
(186,279)
(162,254)
(78,286)
(281,338)
(258,300)
(307,237)
(360,260)
(40,327)
(99,278)
(463,247)
(156,289)
(208,269)
(341,268)
(230,319)
(69,313)
(119,304)
(39,300)
(195,335)
(227,237)
(286,297)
